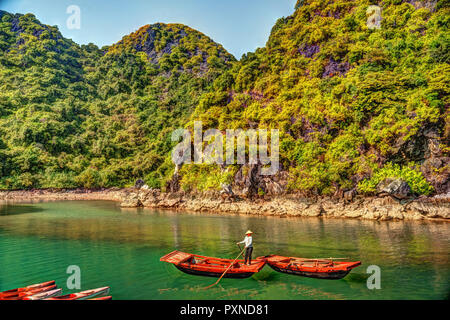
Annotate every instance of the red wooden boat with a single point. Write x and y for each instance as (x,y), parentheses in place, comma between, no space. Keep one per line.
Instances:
(44,295)
(102,298)
(312,268)
(14,292)
(212,267)
(21,295)
(84,295)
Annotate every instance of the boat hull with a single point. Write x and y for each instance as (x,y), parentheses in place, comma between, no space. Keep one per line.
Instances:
(44,295)
(212,267)
(102,298)
(317,275)
(84,295)
(23,294)
(242,275)
(310,268)
(34,287)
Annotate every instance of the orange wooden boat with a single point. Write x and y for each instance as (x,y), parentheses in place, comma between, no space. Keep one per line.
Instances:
(311,268)
(212,267)
(84,295)
(21,295)
(14,292)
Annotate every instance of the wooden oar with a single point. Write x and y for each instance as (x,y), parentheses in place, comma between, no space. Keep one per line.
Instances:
(212,285)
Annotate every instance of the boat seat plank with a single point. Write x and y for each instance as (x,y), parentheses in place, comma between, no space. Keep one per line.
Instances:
(176,257)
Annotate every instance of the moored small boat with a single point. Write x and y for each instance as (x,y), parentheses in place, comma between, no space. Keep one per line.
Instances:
(83,295)
(44,295)
(22,294)
(212,267)
(14,292)
(311,268)
(102,298)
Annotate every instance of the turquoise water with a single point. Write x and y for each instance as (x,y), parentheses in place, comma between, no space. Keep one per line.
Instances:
(121,248)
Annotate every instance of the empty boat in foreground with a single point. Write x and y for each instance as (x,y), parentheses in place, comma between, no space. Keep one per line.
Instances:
(16,292)
(83,295)
(311,268)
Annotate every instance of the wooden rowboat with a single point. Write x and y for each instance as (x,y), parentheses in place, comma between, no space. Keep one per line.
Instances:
(44,295)
(102,298)
(212,267)
(23,294)
(14,292)
(311,268)
(83,295)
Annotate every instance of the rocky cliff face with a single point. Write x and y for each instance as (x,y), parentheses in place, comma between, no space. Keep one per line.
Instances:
(249,183)
(163,44)
(384,208)
(350,100)
(376,208)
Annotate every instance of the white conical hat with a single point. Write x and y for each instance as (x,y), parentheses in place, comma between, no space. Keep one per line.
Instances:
(248,231)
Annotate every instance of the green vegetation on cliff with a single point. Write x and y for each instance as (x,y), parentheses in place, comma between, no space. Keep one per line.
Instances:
(82,116)
(353,105)
(347,99)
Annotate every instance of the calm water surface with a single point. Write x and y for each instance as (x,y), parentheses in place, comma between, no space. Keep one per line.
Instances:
(121,248)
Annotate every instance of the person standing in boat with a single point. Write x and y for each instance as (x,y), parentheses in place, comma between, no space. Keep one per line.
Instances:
(248,242)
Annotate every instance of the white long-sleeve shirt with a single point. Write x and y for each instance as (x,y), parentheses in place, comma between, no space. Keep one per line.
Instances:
(248,241)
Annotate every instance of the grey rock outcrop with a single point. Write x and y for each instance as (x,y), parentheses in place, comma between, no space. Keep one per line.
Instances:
(397,188)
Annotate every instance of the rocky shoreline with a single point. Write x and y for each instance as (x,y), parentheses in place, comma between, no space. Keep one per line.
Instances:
(383,208)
